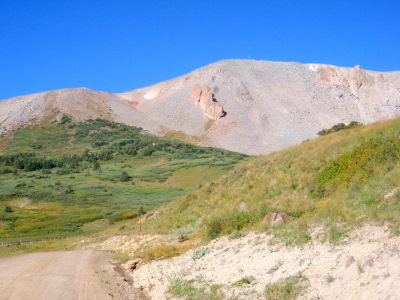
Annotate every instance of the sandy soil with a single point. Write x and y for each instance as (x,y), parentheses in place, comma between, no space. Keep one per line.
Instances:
(62,275)
(366,266)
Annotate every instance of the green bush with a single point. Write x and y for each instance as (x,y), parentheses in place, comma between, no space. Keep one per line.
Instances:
(287,289)
(5,171)
(65,119)
(215,227)
(141,211)
(8,209)
(339,127)
(200,252)
(234,221)
(124,177)
(244,281)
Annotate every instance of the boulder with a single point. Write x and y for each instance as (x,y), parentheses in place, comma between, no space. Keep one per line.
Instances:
(276,219)
(286,218)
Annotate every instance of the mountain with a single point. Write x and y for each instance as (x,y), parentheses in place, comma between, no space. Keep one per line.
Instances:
(253,107)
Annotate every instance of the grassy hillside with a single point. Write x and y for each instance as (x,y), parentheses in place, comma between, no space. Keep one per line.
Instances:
(340,179)
(57,180)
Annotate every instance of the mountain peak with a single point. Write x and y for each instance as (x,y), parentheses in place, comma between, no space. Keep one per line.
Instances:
(266,106)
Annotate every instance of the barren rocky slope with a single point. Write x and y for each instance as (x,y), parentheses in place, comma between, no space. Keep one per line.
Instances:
(364,266)
(253,107)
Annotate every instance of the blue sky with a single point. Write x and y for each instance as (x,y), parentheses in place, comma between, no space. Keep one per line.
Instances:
(117,46)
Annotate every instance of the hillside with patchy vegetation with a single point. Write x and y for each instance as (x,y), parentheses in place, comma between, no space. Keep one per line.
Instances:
(343,178)
(70,179)
(206,232)
(342,191)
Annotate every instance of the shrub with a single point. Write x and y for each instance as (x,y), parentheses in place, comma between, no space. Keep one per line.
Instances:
(141,211)
(244,281)
(215,227)
(69,190)
(339,127)
(353,124)
(5,171)
(65,119)
(200,252)
(286,289)
(8,209)
(63,171)
(128,216)
(114,219)
(124,177)
(234,221)
(96,166)
(195,289)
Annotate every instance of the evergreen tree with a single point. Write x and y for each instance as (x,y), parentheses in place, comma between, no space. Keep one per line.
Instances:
(124,177)
(8,209)
(96,166)
(141,211)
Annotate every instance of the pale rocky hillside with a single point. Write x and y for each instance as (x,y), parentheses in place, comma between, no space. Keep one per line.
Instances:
(365,265)
(253,107)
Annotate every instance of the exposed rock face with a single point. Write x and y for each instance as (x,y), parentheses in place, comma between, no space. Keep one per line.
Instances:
(196,93)
(352,78)
(205,98)
(276,219)
(270,105)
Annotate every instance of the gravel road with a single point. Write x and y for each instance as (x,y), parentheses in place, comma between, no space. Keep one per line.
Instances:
(62,275)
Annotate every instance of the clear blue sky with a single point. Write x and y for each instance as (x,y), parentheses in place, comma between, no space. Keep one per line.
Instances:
(118,46)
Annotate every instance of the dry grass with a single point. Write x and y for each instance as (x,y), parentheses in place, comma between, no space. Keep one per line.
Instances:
(282,182)
(167,250)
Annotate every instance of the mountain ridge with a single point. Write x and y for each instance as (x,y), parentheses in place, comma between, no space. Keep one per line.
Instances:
(268,106)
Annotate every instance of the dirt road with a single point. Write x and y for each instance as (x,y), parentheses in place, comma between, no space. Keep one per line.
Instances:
(62,275)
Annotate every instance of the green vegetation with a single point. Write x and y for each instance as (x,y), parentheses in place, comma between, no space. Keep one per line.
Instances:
(65,119)
(358,165)
(8,209)
(195,289)
(245,281)
(287,289)
(56,179)
(330,278)
(343,179)
(360,268)
(200,252)
(339,127)
(59,180)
